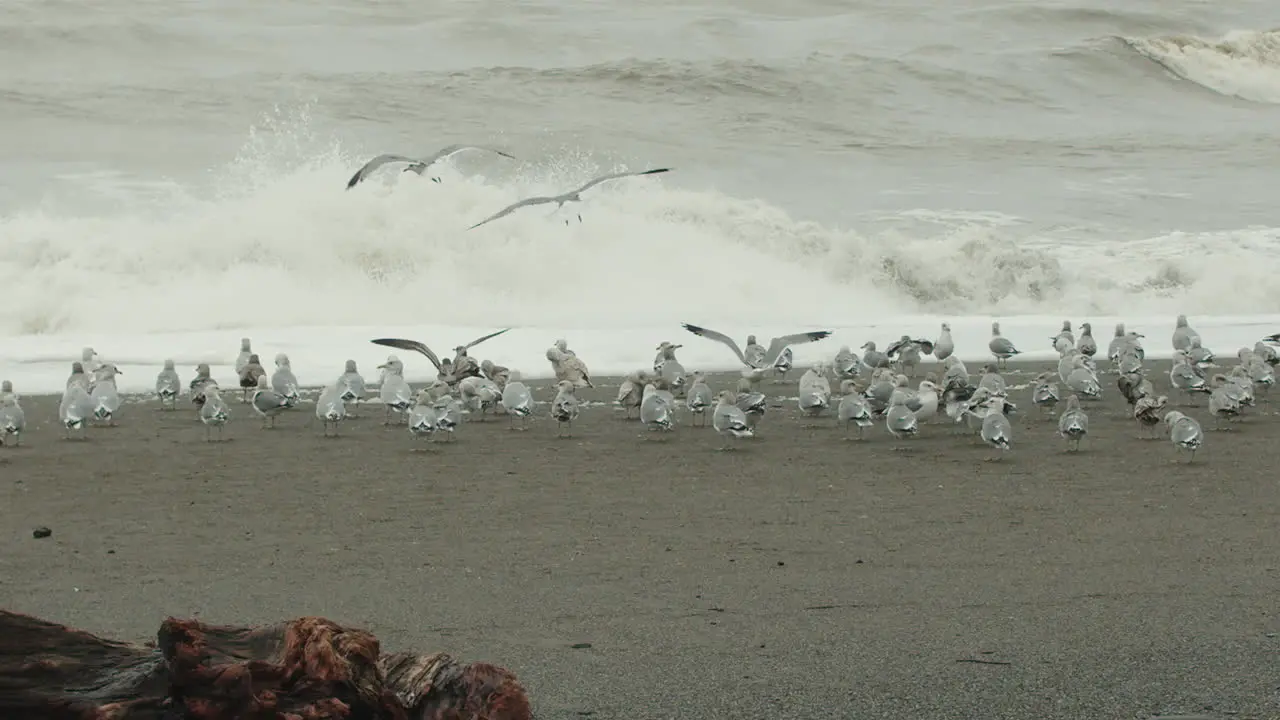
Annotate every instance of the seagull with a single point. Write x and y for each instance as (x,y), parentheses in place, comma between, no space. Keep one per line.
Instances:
(517,400)
(565,407)
(214,412)
(330,409)
(1147,411)
(729,419)
(996,430)
(908,351)
(284,381)
(418,165)
(1184,433)
(656,410)
(560,200)
(168,386)
(75,410)
(423,417)
(754,371)
(243,358)
(1183,336)
(267,402)
(421,348)
(1074,423)
(12,420)
(106,399)
(1000,346)
(352,383)
(1087,345)
(567,365)
(853,408)
(943,348)
(249,375)
(700,399)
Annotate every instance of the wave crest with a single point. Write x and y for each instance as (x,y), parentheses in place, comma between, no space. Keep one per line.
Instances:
(1242,64)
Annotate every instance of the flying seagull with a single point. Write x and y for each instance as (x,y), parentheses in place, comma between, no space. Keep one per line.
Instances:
(445,372)
(418,165)
(757,358)
(560,200)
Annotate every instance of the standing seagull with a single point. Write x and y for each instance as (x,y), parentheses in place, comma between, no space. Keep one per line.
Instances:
(1184,433)
(330,409)
(565,407)
(517,401)
(943,348)
(168,386)
(757,364)
(560,200)
(1000,346)
(1074,423)
(418,165)
(422,349)
(12,420)
(268,403)
(729,419)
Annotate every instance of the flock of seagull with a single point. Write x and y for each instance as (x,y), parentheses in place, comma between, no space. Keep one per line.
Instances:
(419,165)
(873,387)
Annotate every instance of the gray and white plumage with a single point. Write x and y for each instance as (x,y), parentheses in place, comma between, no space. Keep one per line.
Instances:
(1183,376)
(873,358)
(6,389)
(992,381)
(394,392)
(571,196)
(76,409)
(1199,355)
(1087,345)
(908,351)
(631,390)
(1000,346)
(669,369)
(853,408)
(214,412)
(448,408)
(284,381)
(996,430)
(517,399)
(479,395)
(106,398)
(352,382)
(955,375)
(656,409)
(1184,432)
(416,165)
(927,400)
(330,409)
(751,402)
(1118,342)
(423,416)
(1224,399)
(945,346)
(1083,381)
(699,398)
(78,376)
(13,421)
(1044,392)
(815,391)
(1183,335)
(1148,411)
(847,364)
(1073,424)
(499,374)
(202,380)
(246,349)
(567,365)
(758,361)
(168,385)
(1065,339)
(268,403)
(447,373)
(565,406)
(249,375)
(729,420)
(899,419)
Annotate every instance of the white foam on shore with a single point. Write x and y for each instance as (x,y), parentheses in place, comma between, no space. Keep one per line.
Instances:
(40,363)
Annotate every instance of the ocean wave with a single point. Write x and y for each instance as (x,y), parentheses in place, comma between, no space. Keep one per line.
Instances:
(278,238)
(1241,64)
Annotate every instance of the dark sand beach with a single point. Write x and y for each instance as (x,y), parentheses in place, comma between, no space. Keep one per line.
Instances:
(803,576)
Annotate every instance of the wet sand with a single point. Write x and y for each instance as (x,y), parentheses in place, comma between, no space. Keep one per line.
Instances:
(803,576)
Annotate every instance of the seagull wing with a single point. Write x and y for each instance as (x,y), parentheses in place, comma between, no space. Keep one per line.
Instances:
(444,152)
(778,344)
(413,345)
(479,340)
(615,176)
(376,163)
(718,337)
(516,206)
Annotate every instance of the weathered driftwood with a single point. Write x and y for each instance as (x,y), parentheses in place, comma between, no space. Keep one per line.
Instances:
(304,669)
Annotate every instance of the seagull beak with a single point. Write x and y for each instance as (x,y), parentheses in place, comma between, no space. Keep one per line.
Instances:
(383,366)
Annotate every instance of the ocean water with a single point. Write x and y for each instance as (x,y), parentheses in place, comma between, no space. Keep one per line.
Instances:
(174,175)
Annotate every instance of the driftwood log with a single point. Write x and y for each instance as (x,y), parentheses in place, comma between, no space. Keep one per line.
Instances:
(304,669)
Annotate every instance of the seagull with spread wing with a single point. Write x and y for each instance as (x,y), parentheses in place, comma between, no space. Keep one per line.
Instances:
(560,200)
(758,363)
(418,165)
(448,375)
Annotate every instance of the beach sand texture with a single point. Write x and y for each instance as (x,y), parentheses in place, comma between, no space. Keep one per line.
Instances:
(802,576)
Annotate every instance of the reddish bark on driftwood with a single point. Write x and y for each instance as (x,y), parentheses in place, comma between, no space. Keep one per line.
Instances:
(304,669)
